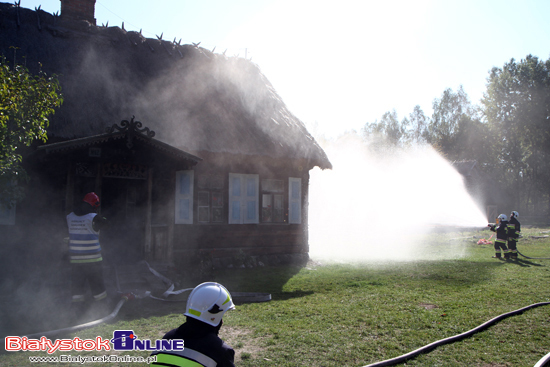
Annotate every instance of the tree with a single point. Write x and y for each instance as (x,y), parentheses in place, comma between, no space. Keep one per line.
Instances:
(517,108)
(451,111)
(418,125)
(388,133)
(26,101)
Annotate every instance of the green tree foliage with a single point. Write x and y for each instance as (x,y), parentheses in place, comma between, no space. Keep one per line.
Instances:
(388,132)
(448,111)
(418,123)
(517,108)
(26,101)
(454,129)
(509,135)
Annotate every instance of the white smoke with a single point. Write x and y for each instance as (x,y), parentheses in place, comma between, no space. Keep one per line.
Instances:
(372,207)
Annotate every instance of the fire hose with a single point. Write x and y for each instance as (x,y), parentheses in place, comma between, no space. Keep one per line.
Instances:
(483,241)
(543,361)
(534,258)
(452,339)
(87,325)
(241,296)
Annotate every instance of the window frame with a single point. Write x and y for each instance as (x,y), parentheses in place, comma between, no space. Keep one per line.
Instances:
(271,191)
(210,206)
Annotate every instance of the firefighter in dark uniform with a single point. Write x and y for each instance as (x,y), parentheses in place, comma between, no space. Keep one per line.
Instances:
(206,305)
(500,242)
(514,227)
(85,253)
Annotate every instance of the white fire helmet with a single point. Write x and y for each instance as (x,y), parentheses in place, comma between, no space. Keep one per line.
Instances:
(208,302)
(514,214)
(502,217)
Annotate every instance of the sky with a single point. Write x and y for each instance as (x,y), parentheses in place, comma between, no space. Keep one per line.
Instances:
(341,64)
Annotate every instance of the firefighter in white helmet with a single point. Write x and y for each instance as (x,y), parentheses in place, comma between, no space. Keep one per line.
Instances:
(514,227)
(206,305)
(500,242)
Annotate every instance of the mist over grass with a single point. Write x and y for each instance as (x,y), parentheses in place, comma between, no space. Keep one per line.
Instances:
(380,206)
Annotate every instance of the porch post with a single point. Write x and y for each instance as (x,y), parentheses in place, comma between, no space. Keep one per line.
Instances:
(171,219)
(148,214)
(99,183)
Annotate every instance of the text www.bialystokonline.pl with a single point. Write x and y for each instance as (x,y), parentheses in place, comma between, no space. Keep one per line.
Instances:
(93,359)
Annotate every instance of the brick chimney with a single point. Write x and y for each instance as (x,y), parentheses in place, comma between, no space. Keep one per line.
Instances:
(78,10)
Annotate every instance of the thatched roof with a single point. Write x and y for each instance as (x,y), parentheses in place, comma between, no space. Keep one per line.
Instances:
(193,99)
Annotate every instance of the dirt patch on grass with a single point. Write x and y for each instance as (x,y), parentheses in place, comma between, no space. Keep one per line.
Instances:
(245,344)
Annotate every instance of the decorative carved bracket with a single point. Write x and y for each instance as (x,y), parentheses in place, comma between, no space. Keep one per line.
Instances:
(131,128)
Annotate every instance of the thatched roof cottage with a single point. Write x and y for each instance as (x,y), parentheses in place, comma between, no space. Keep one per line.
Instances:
(212,165)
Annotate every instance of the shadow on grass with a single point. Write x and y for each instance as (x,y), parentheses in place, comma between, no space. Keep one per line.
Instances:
(290,295)
(524,263)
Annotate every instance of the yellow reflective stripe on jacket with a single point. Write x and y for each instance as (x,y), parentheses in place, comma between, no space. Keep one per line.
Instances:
(169,360)
(184,358)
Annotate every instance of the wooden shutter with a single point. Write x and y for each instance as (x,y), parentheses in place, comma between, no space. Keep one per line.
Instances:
(184,197)
(295,200)
(243,198)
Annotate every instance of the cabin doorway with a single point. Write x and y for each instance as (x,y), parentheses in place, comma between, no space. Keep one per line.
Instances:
(124,203)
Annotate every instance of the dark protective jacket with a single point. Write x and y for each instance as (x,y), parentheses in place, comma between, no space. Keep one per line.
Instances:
(513,228)
(200,340)
(501,231)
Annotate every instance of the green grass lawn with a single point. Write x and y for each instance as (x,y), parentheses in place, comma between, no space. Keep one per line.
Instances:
(358,314)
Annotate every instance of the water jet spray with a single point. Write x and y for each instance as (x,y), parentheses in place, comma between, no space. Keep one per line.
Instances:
(381,206)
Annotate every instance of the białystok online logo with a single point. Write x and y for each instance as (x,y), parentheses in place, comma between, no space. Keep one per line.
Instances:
(123,340)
